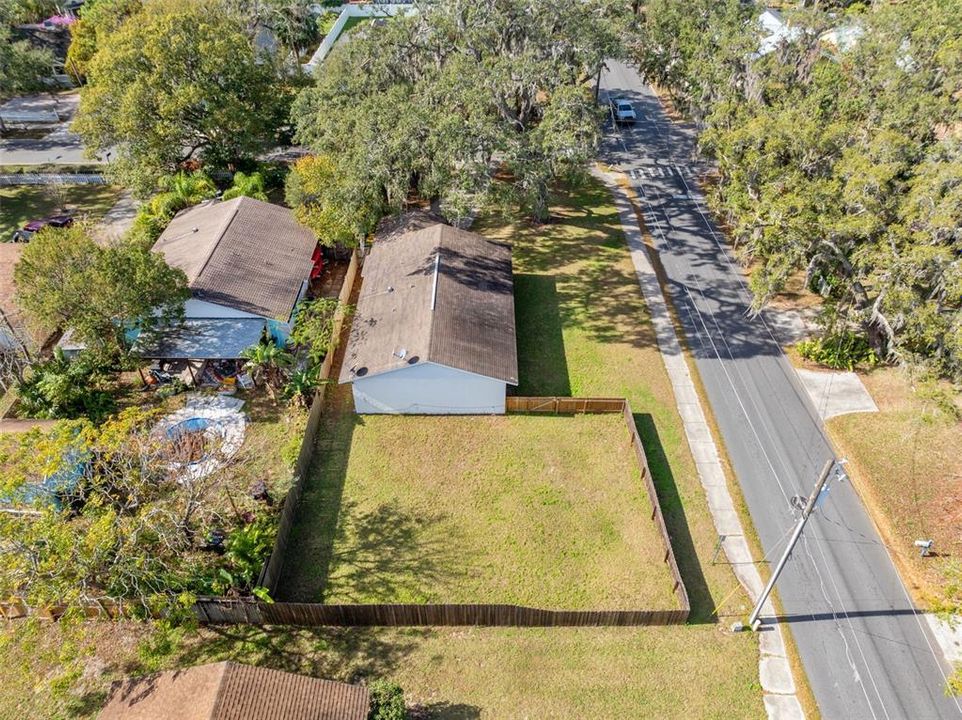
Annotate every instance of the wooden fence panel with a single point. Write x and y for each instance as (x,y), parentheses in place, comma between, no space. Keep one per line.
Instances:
(271,572)
(413,615)
(563,405)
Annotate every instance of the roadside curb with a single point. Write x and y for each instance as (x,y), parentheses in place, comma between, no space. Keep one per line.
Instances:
(774,670)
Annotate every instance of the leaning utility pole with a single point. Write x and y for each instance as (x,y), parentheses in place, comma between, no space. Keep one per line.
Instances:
(753,620)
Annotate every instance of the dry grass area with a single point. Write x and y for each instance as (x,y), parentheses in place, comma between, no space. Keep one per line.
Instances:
(540,511)
(907,462)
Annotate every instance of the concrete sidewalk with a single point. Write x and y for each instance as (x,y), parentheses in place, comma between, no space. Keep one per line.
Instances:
(775,673)
(118,219)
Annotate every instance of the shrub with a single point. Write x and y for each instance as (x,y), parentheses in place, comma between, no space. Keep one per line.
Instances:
(314,327)
(301,387)
(387,701)
(62,388)
(841,351)
(247,548)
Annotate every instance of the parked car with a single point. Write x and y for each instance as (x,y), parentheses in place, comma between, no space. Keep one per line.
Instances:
(622,111)
(34,226)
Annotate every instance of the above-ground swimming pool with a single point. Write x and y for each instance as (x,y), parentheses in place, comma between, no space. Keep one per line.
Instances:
(190,440)
(203,434)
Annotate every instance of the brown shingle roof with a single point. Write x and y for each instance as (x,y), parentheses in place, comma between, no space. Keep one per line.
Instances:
(435,294)
(229,691)
(243,253)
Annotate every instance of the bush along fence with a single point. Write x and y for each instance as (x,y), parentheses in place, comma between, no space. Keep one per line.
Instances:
(272,568)
(249,610)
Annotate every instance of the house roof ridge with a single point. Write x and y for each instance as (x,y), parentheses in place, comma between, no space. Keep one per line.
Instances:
(438,229)
(221,232)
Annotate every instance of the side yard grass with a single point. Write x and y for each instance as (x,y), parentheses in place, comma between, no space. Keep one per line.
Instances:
(22,203)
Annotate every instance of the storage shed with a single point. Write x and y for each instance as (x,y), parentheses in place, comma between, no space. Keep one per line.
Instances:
(434,329)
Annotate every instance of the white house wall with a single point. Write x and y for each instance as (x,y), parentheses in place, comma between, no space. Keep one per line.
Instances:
(429,389)
(195,308)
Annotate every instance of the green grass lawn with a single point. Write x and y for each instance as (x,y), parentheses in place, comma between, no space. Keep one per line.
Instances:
(542,511)
(22,203)
(353,22)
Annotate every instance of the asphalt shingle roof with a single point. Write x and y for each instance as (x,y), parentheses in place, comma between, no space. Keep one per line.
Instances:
(230,691)
(434,293)
(243,253)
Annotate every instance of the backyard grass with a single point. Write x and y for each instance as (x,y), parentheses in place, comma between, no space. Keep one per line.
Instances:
(526,511)
(23,203)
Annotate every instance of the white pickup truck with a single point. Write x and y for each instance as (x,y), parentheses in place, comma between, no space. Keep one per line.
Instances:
(622,111)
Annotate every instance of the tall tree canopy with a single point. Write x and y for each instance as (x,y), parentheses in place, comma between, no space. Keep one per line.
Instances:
(23,67)
(98,19)
(179,81)
(438,102)
(840,161)
(65,279)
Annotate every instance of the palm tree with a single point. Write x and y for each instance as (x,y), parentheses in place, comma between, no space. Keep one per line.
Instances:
(301,387)
(185,189)
(245,185)
(267,361)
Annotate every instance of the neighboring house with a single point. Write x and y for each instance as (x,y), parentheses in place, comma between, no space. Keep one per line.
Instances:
(434,328)
(248,263)
(230,691)
(775,30)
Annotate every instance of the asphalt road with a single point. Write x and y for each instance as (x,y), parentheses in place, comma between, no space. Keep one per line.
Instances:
(866,651)
(61,147)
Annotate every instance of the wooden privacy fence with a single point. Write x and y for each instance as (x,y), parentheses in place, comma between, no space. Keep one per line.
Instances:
(230,611)
(569,405)
(564,405)
(250,610)
(271,571)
